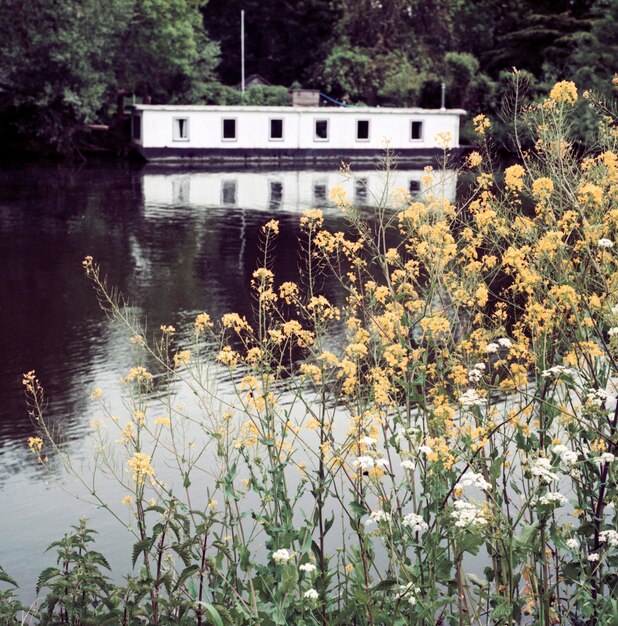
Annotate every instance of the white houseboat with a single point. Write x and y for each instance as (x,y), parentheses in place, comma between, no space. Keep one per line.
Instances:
(295,135)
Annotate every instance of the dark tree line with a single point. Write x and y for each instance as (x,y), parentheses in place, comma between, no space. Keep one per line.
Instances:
(66,63)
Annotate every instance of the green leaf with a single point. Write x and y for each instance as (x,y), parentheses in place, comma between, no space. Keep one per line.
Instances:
(385,585)
(138,548)
(187,573)
(186,481)
(45,576)
(359,509)
(5,578)
(212,611)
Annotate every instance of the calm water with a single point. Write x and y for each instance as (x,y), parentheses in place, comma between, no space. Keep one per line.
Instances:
(177,242)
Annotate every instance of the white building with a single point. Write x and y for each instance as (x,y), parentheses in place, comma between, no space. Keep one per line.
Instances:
(294,134)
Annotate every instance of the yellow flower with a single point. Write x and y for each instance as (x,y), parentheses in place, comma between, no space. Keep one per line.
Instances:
(481,123)
(96,394)
(127,500)
(182,358)
(139,375)
(542,188)
(474,159)
(513,177)
(564,92)
(271,227)
(140,465)
(162,421)
(35,444)
(168,330)
(202,321)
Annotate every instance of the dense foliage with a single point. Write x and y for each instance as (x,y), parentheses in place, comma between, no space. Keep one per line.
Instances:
(64,64)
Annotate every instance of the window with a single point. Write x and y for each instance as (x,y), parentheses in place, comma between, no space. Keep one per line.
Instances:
(181,129)
(229,129)
(414,186)
(276,130)
(136,130)
(319,193)
(416,131)
(360,190)
(321,130)
(362,130)
(228,192)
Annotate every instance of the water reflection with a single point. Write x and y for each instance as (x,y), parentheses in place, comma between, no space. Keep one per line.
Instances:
(176,243)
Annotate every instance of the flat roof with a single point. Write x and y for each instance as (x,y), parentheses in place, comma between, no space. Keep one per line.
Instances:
(291,109)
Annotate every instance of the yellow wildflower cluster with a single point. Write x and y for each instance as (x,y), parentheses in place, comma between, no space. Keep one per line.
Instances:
(182,358)
(35,444)
(564,92)
(513,177)
(272,226)
(481,124)
(140,465)
(139,375)
(202,322)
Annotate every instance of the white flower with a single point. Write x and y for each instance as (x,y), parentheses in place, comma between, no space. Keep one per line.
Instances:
(542,468)
(505,342)
(567,457)
(307,567)
(615,309)
(409,465)
(311,594)
(282,556)
(415,522)
(477,480)
(491,348)
(368,441)
(376,517)
(610,537)
(572,543)
(597,397)
(556,371)
(364,462)
(467,514)
(381,463)
(471,398)
(613,331)
(593,557)
(425,450)
(553,497)
(606,457)
(605,243)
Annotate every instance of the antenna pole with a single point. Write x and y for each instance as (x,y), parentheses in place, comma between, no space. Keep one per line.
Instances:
(242,51)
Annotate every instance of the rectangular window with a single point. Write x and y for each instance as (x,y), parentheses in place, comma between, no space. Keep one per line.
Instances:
(276,130)
(416,133)
(275,195)
(181,129)
(229,129)
(321,130)
(362,130)
(137,127)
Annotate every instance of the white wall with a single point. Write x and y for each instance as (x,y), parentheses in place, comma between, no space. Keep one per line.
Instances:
(252,127)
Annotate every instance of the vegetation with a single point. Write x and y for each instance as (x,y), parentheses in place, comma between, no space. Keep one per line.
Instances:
(461,402)
(66,64)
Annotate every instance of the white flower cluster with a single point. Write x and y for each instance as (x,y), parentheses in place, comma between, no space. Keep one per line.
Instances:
(307,567)
(567,457)
(613,331)
(311,594)
(471,398)
(414,522)
(556,371)
(541,467)
(476,373)
(606,457)
(597,397)
(405,434)
(408,464)
(475,480)
(410,593)
(370,442)
(503,342)
(467,514)
(366,463)
(610,537)
(572,543)
(375,517)
(282,556)
(553,497)
(593,557)
(605,243)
